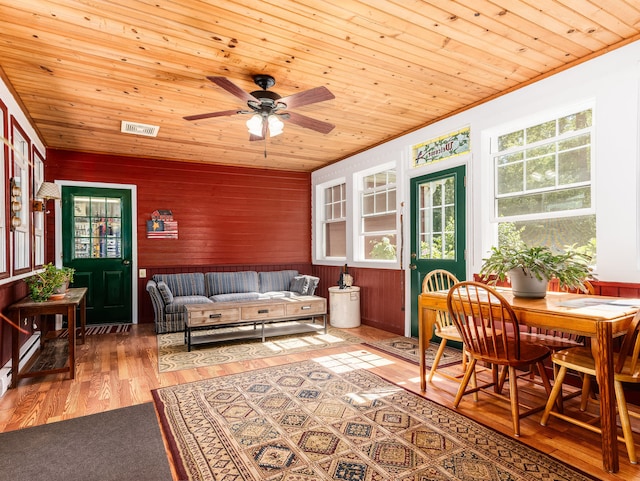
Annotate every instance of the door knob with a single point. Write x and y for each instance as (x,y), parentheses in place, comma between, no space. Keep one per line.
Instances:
(413,267)
(126,262)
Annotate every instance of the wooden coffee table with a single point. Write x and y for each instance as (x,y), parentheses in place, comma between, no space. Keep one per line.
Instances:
(262,317)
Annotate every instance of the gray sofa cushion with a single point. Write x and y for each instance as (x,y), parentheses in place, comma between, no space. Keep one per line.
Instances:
(231,282)
(276,280)
(239,296)
(187,284)
(179,301)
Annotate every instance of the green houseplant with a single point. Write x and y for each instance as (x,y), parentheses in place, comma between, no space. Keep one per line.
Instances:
(538,265)
(45,283)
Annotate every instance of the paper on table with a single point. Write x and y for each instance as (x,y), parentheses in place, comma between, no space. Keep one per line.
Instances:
(627,302)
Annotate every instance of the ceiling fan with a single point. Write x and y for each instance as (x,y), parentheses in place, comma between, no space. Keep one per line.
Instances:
(268,107)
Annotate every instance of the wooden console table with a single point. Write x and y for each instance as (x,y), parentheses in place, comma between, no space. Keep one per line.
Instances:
(258,312)
(74,297)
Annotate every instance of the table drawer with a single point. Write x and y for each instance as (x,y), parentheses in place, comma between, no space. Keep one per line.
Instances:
(303,308)
(266,311)
(212,317)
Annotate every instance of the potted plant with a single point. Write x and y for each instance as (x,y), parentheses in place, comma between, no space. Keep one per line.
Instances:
(531,268)
(43,284)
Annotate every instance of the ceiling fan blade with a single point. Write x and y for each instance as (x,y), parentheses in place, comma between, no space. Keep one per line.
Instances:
(318,94)
(308,122)
(232,88)
(223,113)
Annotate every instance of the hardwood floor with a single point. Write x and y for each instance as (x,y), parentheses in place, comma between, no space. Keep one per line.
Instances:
(118,370)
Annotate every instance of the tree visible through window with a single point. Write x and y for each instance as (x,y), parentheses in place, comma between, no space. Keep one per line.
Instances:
(378,228)
(543,183)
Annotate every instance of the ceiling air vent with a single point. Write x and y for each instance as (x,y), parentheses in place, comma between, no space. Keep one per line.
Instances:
(139,129)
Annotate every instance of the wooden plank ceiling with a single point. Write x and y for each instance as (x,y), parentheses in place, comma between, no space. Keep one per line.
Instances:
(81,67)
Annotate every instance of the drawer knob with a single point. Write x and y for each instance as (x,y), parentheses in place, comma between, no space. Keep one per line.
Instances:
(263,311)
(215,316)
(304,308)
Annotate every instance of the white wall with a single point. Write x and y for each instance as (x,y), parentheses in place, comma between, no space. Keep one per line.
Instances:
(612,81)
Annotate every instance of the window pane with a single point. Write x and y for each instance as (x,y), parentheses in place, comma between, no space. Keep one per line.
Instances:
(541,172)
(380,223)
(336,239)
(380,247)
(541,132)
(574,166)
(368,206)
(540,203)
(511,178)
(558,234)
(437,220)
(513,139)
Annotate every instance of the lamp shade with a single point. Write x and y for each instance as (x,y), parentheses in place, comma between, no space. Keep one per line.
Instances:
(48,190)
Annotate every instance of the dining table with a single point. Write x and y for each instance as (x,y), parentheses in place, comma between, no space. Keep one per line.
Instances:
(600,318)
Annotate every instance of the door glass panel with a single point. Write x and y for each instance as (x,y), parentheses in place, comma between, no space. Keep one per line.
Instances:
(97,227)
(437,222)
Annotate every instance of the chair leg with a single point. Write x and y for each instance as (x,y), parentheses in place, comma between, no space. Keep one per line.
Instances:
(625,422)
(515,406)
(436,360)
(586,392)
(465,380)
(555,392)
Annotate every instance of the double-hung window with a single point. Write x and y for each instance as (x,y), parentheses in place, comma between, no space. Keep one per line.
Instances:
(543,183)
(334,226)
(38,216)
(20,186)
(378,226)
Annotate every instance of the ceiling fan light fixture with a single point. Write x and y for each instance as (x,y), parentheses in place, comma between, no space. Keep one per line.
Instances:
(254,124)
(276,126)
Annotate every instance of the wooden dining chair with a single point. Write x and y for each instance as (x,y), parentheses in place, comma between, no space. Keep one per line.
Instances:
(626,370)
(555,340)
(491,334)
(442,280)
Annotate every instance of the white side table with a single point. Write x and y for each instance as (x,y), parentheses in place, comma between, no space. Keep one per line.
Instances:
(344,307)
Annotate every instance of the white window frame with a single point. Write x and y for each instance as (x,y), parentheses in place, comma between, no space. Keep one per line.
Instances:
(361,249)
(322,209)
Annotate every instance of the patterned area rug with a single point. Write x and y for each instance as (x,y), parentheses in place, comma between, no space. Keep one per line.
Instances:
(101,329)
(173,354)
(407,348)
(306,422)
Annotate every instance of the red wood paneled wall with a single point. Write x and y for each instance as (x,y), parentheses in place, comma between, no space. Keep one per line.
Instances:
(382,302)
(228,217)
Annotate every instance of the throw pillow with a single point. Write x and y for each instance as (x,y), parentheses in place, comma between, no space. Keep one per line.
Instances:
(313,284)
(165,292)
(299,284)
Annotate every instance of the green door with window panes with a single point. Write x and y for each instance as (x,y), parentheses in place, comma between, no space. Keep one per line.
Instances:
(438,237)
(96,232)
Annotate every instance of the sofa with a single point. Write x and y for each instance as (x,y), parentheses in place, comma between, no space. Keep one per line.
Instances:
(170,292)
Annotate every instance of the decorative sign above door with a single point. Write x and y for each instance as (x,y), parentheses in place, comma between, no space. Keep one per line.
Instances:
(443,147)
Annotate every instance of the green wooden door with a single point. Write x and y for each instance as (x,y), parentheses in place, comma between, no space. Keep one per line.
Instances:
(438,236)
(96,233)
